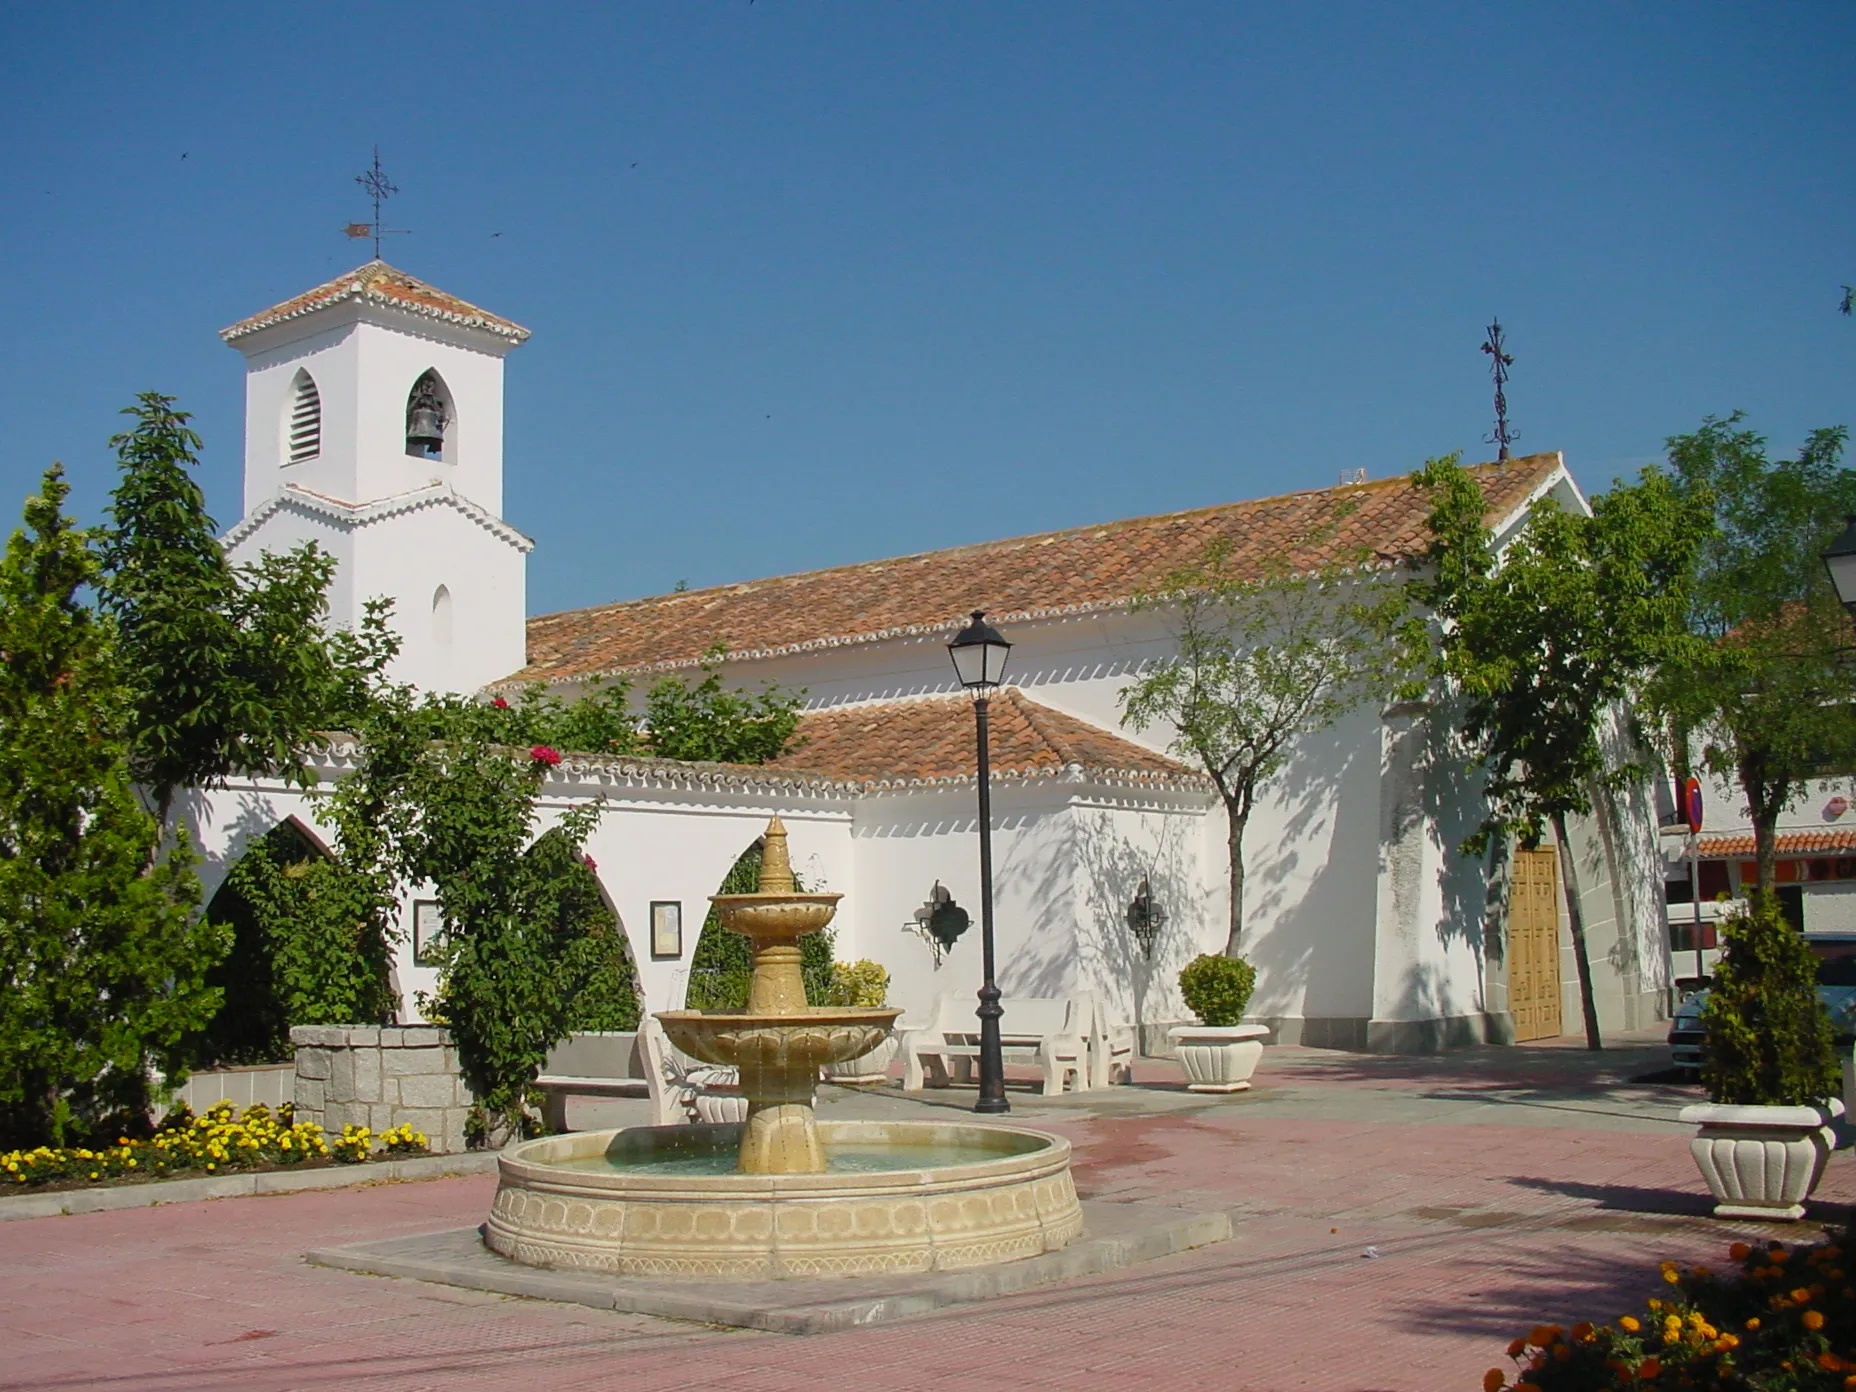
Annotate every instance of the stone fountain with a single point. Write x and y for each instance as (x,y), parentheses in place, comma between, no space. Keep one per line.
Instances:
(783,1194)
(779,1043)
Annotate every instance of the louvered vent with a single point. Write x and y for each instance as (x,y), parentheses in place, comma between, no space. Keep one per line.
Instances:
(305,421)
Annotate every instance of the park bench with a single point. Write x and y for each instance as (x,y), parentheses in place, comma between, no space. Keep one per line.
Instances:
(1050,1032)
(597,1067)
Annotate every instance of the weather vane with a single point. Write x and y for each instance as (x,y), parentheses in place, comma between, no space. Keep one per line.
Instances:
(380,189)
(1502,360)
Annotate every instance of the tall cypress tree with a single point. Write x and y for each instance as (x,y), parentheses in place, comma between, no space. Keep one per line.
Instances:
(102,958)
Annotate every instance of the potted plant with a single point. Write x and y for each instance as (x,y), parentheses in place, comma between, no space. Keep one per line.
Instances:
(1220,1052)
(864,984)
(1769,1068)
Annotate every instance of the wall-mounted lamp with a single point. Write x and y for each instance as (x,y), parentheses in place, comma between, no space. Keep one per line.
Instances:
(1145,919)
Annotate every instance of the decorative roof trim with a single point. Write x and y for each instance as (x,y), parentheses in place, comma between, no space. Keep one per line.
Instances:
(1820,841)
(346,514)
(354,287)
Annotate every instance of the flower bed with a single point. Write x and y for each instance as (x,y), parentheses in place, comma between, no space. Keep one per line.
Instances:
(220,1141)
(1785,1321)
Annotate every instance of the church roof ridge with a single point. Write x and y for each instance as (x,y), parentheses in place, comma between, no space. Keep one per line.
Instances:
(926,741)
(1071,571)
(378,282)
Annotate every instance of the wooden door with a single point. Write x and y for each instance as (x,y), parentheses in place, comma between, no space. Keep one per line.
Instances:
(1534,945)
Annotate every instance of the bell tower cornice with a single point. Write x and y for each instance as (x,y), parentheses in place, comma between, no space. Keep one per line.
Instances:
(379,285)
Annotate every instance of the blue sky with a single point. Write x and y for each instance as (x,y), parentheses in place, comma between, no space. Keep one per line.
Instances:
(812,283)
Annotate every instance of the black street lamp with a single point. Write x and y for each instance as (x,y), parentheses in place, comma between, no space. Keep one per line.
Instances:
(979,655)
(1840,561)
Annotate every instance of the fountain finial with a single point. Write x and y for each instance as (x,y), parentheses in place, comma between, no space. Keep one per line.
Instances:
(776,864)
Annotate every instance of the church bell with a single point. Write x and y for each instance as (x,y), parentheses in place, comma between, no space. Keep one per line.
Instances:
(425,430)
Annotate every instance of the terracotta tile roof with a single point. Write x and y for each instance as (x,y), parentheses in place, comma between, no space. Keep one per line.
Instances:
(930,740)
(1076,570)
(1791,843)
(379,281)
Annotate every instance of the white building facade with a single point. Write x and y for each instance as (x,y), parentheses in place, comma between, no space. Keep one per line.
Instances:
(1367,927)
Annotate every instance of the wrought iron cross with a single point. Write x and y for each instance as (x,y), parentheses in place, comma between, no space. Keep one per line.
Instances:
(379,188)
(1501,361)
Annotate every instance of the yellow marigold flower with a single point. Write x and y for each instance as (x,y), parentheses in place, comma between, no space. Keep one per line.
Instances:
(1669,1275)
(1727,1341)
(1629,1324)
(1813,1320)
(1494,1380)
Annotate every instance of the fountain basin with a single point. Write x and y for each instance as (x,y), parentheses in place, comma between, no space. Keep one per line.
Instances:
(1004,1194)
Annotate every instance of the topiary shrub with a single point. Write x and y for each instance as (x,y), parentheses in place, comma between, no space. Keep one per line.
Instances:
(1217,988)
(863,984)
(1769,1039)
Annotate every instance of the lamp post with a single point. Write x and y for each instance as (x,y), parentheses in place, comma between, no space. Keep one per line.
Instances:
(979,655)
(1840,561)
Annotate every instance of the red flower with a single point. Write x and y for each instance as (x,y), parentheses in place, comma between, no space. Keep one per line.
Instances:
(499,704)
(590,863)
(541,754)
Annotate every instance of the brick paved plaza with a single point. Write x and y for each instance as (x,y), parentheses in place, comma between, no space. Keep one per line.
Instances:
(1497,1188)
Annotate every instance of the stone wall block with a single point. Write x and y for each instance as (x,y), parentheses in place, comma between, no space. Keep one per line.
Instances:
(317,1036)
(312,1063)
(341,1075)
(340,1114)
(380,1116)
(427,1090)
(425,1037)
(399,1062)
(367,1076)
(310,1097)
(361,1036)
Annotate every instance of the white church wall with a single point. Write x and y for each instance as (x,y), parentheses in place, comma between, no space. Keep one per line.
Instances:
(321,347)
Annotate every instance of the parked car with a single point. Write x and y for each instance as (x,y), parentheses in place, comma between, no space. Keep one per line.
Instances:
(1836,988)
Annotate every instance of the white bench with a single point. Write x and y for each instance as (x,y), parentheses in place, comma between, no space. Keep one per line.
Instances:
(1111,1049)
(1048,1031)
(644,1064)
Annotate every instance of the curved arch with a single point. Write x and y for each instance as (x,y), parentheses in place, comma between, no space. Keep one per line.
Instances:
(442,619)
(302,423)
(431,418)
(271,900)
(721,961)
(606,996)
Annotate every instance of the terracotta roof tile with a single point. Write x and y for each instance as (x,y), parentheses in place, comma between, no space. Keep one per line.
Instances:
(1790,843)
(379,281)
(930,740)
(1075,570)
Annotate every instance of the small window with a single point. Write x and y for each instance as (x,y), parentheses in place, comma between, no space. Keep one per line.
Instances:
(305,418)
(441,617)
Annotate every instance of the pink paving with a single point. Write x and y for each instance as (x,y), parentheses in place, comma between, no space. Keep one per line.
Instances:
(1481,1229)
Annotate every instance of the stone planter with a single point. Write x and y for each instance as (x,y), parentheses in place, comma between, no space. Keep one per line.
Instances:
(1762,1162)
(866,1070)
(1218,1058)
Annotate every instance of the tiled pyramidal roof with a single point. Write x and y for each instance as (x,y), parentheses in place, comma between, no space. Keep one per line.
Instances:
(381,283)
(929,740)
(1076,570)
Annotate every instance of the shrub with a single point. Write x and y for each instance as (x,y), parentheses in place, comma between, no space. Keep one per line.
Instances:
(723,960)
(1217,988)
(1769,1039)
(1784,1322)
(863,984)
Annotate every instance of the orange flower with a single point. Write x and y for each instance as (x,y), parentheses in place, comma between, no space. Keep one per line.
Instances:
(1830,1363)
(1582,1331)
(1650,1367)
(1494,1380)
(1629,1324)
(1813,1320)
(1753,1323)
(1541,1335)
(1739,1251)
(1800,1294)
(1515,1348)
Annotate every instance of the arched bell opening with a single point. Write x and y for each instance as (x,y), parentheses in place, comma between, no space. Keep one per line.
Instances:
(302,423)
(430,418)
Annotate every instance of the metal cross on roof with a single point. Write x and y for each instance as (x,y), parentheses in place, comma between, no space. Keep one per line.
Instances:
(379,188)
(1502,360)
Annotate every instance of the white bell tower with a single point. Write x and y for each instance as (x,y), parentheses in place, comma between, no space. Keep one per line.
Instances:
(374,427)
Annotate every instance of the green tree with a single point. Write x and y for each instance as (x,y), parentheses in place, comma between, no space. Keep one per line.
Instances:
(1766,687)
(1261,663)
(228,670)
(1545,641)
(102,958)
(709,722)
